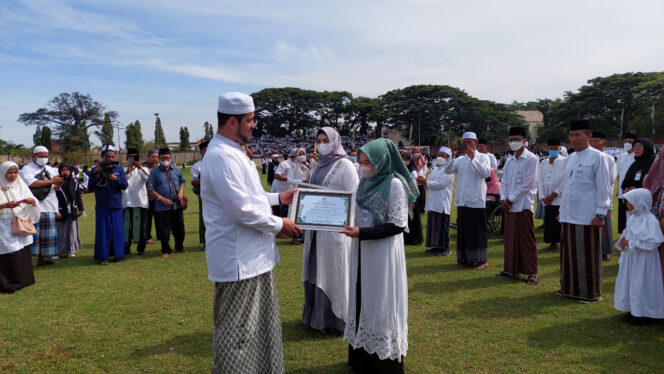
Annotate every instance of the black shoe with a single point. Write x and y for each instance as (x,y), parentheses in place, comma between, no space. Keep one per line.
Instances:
(442,253)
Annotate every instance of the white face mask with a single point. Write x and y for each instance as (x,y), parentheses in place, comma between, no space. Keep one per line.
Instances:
(440,161)
(41,161)
(627,147)
(367,172)
(324,149)
(416,155)
(165,163)
(302,158)
(515,145)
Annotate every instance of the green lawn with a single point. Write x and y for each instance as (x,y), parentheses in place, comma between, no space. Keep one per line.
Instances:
(155,315)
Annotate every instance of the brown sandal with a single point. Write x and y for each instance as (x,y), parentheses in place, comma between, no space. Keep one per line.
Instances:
(532,280)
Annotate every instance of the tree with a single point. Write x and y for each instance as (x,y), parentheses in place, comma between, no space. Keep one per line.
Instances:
(209,132)
(289,110)
(42,136)
(184,139)
(426,111)
(71,115)
(331,107)
(106,133)
(159,138)
(134,136)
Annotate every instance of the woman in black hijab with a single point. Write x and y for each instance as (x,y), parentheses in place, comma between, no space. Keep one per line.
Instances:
(70,208)
(644,156)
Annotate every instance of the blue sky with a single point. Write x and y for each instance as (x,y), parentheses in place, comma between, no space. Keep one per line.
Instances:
(175,57)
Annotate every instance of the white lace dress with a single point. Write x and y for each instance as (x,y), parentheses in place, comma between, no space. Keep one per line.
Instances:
(382,327)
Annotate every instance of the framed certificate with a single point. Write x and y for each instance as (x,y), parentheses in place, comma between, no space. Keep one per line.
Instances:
(323,210)
(309,186)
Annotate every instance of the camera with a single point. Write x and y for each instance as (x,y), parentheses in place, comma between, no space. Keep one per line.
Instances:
(107,167)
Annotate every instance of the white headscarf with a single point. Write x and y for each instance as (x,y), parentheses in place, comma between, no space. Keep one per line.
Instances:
(563,152)
(642,231)
(16,191)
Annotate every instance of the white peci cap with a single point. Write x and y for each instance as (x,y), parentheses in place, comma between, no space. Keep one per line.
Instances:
(40,149)
(235,103)
(469,135)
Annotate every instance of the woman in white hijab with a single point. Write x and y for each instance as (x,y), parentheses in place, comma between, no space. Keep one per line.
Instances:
(15,200)
(639,290)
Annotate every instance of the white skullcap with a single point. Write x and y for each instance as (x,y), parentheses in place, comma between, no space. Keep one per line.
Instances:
(108,147)
(235,103)
(275,156)
(445,150)
(40,149)
(469,135)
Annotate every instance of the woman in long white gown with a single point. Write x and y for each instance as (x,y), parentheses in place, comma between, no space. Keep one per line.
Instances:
(326,255)
(377,326)
(639,288)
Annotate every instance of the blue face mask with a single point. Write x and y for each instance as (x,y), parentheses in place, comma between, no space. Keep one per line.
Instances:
(352,158)
(553,153)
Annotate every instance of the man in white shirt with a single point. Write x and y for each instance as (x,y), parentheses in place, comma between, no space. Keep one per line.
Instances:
(551,175)
(598,141)
(586,197)
(242,252)
(623,163)
(470,199)
(439,200)
(43,181)
(517,197)
(196,183)
(482,148)
(135,203)
(280,183)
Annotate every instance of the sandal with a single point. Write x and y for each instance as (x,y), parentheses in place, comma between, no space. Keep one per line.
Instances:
(504,274)
(483,266)
(532,280)
(103,263)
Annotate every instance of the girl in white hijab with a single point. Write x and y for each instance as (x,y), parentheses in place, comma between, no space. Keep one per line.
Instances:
(15,200)
(639,289)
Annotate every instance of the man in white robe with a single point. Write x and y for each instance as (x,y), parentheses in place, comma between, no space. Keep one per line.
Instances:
(241,249)
(623,163)
(586,199)
(598,141)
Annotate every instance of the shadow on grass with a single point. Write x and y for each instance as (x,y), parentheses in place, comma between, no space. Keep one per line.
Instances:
(195,344)
(435,267)
(334,368)
(503,307)
(295,331)
(443,286)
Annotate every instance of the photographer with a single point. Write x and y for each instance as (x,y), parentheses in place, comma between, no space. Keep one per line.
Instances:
(107,181)
(166,185)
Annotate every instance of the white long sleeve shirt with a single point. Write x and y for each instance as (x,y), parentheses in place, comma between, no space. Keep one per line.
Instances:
(519,182)
(29,174)
(136,195)
(471,187)
(613,172)
(587,187)
(439,196)
(625,160)
(196,171)
(282,169)
(237,213)
(550,178)
(493,161)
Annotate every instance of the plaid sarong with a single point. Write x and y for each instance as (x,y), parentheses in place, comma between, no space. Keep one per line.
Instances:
(45,241)
(247,327)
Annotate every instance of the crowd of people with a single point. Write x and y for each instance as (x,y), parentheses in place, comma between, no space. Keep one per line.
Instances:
(49,202)
(354,279)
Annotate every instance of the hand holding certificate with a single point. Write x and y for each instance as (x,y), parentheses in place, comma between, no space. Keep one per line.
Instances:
(322,210)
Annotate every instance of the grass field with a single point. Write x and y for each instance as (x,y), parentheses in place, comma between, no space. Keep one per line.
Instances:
(155,315)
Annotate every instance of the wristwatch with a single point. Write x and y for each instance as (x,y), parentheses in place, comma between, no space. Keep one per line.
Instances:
(600,216)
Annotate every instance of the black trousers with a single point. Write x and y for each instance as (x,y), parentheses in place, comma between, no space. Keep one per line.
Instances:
(622,215)
(148,226)
(167,221)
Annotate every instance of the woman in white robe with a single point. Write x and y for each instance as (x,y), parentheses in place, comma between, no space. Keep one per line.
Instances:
(639,290)
(326,255)
(377,326)
(16,200)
